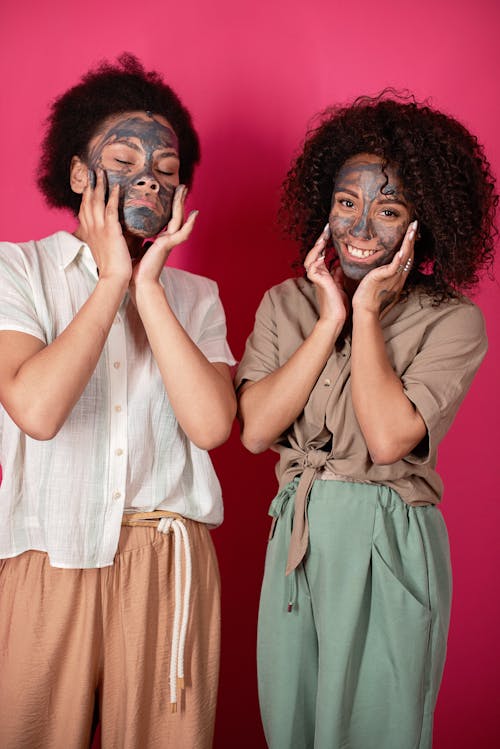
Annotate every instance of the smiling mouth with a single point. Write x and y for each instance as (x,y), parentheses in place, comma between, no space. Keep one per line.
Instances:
(358,253)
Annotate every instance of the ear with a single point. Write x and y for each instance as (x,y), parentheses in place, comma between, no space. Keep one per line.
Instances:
(78,175)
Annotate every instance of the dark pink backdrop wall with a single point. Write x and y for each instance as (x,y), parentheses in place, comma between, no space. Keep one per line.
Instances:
(253,74)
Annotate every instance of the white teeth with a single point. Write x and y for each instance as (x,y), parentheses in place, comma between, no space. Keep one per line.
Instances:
(356,252)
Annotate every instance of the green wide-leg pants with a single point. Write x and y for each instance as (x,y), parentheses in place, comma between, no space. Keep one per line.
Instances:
(357,662)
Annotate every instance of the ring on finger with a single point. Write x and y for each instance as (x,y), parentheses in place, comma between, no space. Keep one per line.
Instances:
(408,265)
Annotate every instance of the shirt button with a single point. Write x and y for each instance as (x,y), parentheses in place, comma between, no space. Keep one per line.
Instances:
(327,383)
(118,409)
(119,451)
(117,495)
(116,365)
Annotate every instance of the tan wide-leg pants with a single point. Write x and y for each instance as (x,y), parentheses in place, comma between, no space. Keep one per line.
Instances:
(68,637)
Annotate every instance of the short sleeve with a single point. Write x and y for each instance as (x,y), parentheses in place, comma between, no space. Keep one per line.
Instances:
(440,375)
(17,298)
(212,339)
(196,303)
(261,355)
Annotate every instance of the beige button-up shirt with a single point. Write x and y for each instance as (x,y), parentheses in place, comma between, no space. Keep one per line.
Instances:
(434,350)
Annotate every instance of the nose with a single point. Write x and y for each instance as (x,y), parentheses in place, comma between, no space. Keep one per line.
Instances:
(361,228)
(147,183)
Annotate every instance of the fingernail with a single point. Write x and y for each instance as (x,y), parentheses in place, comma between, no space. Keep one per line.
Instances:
(326,230)
(411,234)
(400,253)
(414,226)
(193,214)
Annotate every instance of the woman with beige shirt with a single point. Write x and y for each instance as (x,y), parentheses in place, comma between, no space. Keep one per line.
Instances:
(353,374)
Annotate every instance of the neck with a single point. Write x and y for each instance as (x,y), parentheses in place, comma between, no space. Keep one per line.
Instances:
(134,244)
(350,286)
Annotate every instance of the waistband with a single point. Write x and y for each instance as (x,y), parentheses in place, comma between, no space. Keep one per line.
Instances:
(171,522)
(146,519)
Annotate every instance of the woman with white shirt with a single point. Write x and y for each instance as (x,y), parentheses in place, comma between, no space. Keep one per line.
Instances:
(114,383)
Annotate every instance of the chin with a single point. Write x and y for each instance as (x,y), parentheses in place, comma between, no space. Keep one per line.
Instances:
(355,272)
(140,233)
(142,223)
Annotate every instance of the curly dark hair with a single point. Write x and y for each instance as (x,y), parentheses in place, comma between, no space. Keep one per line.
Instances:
(104,91)
(442,167)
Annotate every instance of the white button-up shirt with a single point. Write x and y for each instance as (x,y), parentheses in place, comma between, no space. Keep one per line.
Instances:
(121,448)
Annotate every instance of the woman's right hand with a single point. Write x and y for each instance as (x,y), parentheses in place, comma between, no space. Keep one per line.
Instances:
(333,301)
(100,228)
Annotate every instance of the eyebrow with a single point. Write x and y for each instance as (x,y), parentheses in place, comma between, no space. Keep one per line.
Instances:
(126,142)
(169,154)
(384,199)
(390,199)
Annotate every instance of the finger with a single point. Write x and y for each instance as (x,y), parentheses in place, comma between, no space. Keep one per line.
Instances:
(166,240)
(85,199)
(185,230)
(316,266)
(326,233)
(96,196)
(318,249)
(405,254)
(177,219)
(98,190)
(111,209)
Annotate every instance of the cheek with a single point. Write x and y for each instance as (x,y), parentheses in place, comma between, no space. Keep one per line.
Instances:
(118,178)
(339,226)
(166,197)
(389,236)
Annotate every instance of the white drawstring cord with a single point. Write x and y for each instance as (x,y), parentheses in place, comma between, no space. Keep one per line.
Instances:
(185,606)
(181,604)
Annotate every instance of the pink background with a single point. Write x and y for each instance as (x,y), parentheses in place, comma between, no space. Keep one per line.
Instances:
(253,74)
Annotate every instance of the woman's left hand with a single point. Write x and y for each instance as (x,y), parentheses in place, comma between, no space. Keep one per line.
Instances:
(149,267)
(381,288)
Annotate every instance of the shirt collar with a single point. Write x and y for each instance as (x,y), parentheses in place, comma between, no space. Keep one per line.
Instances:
(71,248)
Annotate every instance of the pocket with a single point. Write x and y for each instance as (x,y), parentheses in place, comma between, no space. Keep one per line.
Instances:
(390,581)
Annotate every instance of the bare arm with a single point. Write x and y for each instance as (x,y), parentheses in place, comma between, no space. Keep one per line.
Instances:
(391,425)
(201,392)
(268,407)
(39,385)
